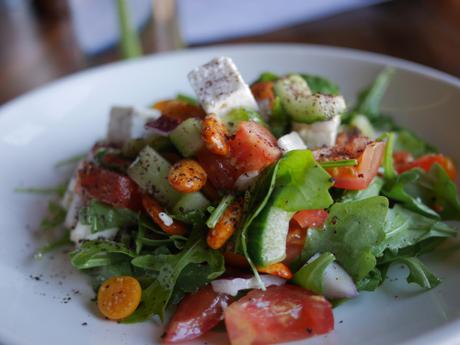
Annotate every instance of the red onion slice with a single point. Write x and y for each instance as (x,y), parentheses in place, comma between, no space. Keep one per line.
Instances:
(163,125)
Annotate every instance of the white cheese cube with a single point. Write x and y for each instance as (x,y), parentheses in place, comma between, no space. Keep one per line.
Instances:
(318,134)
(220,87)
(126,123)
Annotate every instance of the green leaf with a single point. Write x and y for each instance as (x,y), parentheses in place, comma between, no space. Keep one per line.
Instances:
(370,98)
(301,184)
(258,197)
(72,160)
(310,276)
(219,211)
(404,228)
(321,84)
(389,171)
(422,191)
(50,247)
(409,142)
(352,232)
(54,218)
(186,98)
(373,189)
(279,119)
(99,253)
(419,273)
(58,190)
(267,76)
(157,295)
(102,216)
(372,280)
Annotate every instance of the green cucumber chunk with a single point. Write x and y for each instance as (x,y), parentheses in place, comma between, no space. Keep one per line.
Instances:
(150,171)
(267,236)
(235,116)
(302,105)
(186,137)
(190,202)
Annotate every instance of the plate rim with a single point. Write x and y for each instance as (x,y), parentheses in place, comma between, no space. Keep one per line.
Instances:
(352,53)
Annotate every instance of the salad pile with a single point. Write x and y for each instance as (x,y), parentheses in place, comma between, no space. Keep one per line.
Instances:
(259,205)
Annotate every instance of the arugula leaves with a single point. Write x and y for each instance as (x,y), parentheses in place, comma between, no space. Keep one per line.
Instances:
(409,142)
(101,216)
(169,267)
(54,218)
(423,192)
(301,184)
(352,231)
(373,189)
(404,228)
(219,211)
(279,120)
(99,253)
(321,84)
(370,98)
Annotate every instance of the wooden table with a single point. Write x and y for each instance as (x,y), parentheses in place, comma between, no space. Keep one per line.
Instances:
(36,49)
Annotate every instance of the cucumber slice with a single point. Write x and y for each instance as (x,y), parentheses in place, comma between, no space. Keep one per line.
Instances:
(267,236)
(132,147)
(235,116)
(363,124)
(190,202)
(302,106)
(187,137)
(150,171)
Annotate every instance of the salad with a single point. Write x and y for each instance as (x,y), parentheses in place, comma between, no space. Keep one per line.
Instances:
(261,206)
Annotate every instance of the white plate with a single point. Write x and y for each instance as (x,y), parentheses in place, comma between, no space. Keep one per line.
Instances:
(66,117)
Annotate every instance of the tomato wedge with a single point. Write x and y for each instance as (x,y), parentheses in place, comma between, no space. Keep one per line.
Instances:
(310,218)
(278,314)
(427,161)
(221,172)
(197,313)
(109,187)
(253,147)
(358,177)
(295,242)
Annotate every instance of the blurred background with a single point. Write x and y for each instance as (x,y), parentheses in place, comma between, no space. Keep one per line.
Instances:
(42,40)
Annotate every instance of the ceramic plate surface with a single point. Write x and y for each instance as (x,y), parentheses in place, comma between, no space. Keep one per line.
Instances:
(47,302)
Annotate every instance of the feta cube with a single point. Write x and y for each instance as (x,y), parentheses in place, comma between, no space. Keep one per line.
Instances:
(126,123)
(318,134)
(220,87)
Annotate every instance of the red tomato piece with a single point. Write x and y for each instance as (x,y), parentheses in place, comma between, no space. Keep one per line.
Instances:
(402,158)
(295,242)
(278,314)
(109,187)
(253,147)
(221,172)
(426,162)
(263,91)
(358,177)
(197,313)
(310,218)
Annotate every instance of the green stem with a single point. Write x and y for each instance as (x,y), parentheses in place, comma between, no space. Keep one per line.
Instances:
(130,44)
(219,211)
(339,164)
